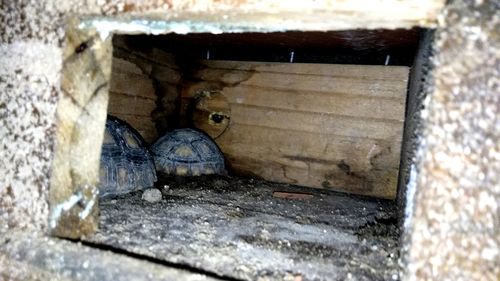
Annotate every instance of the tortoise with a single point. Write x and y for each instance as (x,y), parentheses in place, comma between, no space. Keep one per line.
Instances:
(126,164)
(187,152)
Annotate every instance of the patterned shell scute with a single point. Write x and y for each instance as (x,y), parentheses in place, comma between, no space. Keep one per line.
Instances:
(126,165)
(186,152)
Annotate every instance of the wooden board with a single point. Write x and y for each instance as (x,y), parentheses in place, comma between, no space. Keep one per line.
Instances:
(132,98)
(144,125)
(325,126)
(144,88)
(132,105)
(132,84)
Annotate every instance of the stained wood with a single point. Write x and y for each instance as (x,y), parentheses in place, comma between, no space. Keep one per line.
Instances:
(132,105)
(212,113)
(302,146)
(314,122)
(325,126)
(375,183)
(136,111)
(358,166)
(132,84)
(375,72)
(166,74)
(132,98)
(146,105)
(124,66)
(292,195)
(80,119)
(142,124)
(319,102)
(307,83)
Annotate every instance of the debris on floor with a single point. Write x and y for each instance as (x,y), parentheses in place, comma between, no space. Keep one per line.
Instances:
(239,228)
(26,256)
(292,195)
(152,195)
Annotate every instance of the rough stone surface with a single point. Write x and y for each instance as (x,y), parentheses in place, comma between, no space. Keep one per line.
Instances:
(27,257)
(152,195)
(236,228)
(27,105)
(455,231)
(419,86)
(32,31)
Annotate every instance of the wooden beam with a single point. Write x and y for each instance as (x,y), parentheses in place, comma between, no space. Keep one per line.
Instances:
(81,115)
(215,16)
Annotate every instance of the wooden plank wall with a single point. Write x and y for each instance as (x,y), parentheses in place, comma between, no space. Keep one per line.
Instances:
(144,88)
(317,125)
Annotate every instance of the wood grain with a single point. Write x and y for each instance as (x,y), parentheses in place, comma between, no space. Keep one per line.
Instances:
(130,105)
(319,102)
(318,125)
(132,98)
(144,88)
(315,122)
(142,124)
(373,72)
(132,84)
(299,82)
(124,66)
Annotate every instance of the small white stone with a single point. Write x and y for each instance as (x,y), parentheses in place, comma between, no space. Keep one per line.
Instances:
(152,195)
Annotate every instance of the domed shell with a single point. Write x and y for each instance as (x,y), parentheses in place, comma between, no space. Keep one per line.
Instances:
(186,152)
(126,164)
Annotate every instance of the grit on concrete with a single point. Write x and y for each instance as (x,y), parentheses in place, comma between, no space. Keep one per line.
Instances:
(234,227)
(24,256)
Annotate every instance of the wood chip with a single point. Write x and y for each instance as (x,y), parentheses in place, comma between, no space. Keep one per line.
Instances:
(292,195)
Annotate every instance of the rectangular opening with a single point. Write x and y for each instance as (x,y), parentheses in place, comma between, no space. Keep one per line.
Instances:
(318,109)
(312,129)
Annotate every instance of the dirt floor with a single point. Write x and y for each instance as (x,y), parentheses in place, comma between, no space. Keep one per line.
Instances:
(239,228)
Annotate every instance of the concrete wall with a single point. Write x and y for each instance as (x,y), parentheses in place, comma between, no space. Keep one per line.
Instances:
(455,230)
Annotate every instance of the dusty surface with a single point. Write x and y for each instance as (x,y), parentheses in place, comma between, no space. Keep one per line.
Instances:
(236,228)
(26,124)
(26,257)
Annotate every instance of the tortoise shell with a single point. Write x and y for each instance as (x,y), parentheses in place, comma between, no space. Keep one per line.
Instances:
(126,164)
(186,152)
